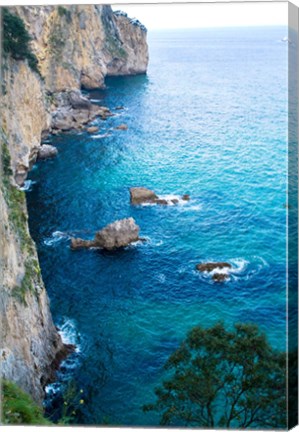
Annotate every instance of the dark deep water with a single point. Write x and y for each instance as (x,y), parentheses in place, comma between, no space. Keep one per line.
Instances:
(209,119)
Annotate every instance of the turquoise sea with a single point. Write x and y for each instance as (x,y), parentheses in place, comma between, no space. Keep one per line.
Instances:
(209,119)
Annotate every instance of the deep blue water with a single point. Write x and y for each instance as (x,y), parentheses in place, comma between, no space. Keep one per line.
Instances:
(209,119)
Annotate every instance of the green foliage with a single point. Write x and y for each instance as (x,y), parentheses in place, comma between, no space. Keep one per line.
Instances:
(114,47)
(225,379)
(15,200)
(16,204)
(18,408)
(64,12)
(56,42)
(16,39)
(32,272)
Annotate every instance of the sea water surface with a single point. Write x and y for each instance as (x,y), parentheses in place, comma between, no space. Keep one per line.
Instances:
(209,119)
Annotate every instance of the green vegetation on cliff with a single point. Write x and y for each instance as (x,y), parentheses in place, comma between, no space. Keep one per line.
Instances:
(16,39)
(18,408)
(224,379)
(17,215)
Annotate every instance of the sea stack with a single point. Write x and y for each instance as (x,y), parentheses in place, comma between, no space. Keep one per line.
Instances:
(116,235)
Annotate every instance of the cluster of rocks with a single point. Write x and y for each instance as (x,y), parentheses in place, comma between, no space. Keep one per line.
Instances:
(142,195)
(214,267)
(123,232)
(74,110)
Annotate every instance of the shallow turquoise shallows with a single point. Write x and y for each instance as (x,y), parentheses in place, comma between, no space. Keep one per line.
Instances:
(210,120)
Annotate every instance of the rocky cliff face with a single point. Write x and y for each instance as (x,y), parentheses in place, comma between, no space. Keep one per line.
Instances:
(76,46)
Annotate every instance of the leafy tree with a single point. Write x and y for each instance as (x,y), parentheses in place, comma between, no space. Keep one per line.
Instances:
(16,39)
(225,379)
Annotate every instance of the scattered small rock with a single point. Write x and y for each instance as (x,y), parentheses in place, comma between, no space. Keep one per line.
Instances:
(139,195)
(161,201)
(122,127)
(186,197)
(92,129)
(142,195)
(120,107)
(219,277)
(115,235)
(46,151)
(208,267)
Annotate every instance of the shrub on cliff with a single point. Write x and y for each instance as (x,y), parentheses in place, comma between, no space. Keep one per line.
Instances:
(18,408)
(16,39)
(225,379)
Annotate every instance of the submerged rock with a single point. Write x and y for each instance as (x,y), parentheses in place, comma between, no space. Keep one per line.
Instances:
(120,107)
(209,267)
(47,151)
(161,201)
(92,129)
(186,197)
(219,277)
(140,195)
(115,235)
(122,127)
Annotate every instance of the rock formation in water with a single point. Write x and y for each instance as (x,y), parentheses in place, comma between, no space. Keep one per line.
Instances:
(76,46)
(212,267)
(116,235)
(142,195)
(47,151)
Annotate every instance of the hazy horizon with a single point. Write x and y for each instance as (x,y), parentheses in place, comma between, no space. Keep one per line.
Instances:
(207,15)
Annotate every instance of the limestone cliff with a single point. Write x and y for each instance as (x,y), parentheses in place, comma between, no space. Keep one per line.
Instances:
(76,46)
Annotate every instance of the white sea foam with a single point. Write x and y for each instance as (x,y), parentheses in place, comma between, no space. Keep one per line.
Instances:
(69,333)
(100,136)
(56,237)
(27,185)
(169,198)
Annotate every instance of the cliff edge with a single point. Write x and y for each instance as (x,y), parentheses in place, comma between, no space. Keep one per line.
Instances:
(75,46)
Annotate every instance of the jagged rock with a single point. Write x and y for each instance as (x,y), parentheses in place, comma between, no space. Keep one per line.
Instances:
(20,174)
(115,235)
(78,101)
(118,234)
(186,197)
(219,277)
(47,151)
(66,117)
(92,129)
(208,267)
(122,127)
(161,201)
(139,195)
(78,243)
